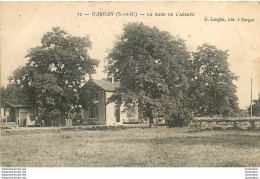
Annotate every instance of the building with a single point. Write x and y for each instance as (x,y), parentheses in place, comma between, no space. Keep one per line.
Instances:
(99,110)
(19,114)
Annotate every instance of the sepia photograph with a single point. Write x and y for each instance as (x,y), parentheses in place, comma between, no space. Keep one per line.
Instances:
(130,84)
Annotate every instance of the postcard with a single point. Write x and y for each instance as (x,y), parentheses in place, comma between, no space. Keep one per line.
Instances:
(129,84)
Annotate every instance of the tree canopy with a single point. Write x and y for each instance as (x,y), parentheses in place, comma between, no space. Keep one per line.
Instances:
(152,68)
(56,70)
(12,94)
(212,91)
(155,70)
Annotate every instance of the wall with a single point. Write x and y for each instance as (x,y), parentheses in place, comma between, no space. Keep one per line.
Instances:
(22,114)
(111,111)
(85,115)
(126,116)
(129,115)
(101,111)
(107,113)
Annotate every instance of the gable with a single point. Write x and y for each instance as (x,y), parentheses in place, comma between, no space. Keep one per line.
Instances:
(105,85)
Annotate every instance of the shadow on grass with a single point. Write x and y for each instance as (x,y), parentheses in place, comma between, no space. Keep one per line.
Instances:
(229,140)
(224,140)
(230,164)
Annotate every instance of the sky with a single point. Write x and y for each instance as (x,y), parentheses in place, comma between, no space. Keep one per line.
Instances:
(22,25)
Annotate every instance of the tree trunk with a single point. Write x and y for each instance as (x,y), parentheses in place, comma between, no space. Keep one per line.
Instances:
(150,115)
(151,122)
(62,119)
(252,124)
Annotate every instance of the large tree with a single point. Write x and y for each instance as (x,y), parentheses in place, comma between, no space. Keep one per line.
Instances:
(152,68)
(55,71)
(212,91)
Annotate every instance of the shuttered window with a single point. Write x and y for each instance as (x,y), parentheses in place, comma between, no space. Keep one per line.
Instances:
(93,111)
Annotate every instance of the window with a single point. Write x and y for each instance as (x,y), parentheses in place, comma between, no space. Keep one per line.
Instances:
(6,111)
(93,111)
(117,115)
(96,96)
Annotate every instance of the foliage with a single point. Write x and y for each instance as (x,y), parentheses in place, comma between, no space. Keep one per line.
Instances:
(181,118)
(151,66)
(55,72)
(52,117)
(212,91)
(13,94)
(255,107)
(242,113)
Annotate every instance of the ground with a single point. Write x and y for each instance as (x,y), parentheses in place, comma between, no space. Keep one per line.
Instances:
(129,147)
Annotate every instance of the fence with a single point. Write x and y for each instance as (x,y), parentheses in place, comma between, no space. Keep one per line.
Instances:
(224,123)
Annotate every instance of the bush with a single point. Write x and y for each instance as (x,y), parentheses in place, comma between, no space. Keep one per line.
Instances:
(77,120)
(180,119)
(52,118)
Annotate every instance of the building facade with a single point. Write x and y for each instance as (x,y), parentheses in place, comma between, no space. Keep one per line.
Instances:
(99,110)
(21,115)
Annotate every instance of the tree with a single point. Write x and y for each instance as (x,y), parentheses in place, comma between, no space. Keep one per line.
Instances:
(255,107)
(151,66)
(53,76)
(12,93)
(212,91)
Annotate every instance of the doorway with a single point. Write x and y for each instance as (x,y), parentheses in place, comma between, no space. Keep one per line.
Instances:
(117,115)
(23,115)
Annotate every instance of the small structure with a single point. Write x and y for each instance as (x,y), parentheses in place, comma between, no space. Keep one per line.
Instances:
(20,114)
(99,110)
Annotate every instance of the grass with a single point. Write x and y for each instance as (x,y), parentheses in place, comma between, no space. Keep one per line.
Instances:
(131,147)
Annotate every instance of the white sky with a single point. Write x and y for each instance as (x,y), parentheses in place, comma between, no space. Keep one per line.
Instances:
(24,23)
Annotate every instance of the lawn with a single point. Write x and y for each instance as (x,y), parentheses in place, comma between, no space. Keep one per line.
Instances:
(130,147)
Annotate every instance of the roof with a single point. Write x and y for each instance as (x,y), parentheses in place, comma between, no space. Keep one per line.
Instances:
(106,85)
(18,105)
